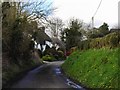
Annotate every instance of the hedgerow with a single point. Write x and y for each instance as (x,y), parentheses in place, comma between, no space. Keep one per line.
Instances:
(111,40)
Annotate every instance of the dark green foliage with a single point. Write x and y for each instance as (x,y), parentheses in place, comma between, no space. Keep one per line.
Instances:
(84,45)
(50,51)
(5,8)
(114,40)
(104,29)
(31,45)
(61,55)
(63,37)
(19,33)
(16,39)
(20,29)
(48,58)
(94,68)
(39,52)
(15,70)
(15,35)
(57,54)
(111,40)
(72,35)
(97,35)
(98,32)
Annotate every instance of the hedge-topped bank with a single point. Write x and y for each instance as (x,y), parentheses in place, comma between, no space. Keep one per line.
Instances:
(111,40)
(94,68)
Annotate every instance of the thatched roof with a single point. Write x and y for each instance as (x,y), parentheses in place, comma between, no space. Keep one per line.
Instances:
(42,37)
(58,42)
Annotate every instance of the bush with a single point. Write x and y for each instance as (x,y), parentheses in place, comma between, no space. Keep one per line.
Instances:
(114,40)
(84,45)
(61,55)
(111,40)
(48,58)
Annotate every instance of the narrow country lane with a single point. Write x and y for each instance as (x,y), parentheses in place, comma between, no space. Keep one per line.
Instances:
(46,76)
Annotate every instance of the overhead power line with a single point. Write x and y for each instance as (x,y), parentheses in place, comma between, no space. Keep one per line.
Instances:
(95,13)
(97,8)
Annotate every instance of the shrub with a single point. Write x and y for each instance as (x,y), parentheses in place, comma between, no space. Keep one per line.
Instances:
(114,40)
(61,55)
(48,58)
(111,40)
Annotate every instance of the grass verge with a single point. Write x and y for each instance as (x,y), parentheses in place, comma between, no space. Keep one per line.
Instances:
(94,68)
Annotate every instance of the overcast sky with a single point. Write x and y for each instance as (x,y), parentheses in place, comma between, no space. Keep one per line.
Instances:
(84,10)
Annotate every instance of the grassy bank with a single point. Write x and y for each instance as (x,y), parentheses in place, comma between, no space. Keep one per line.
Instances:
(94,68)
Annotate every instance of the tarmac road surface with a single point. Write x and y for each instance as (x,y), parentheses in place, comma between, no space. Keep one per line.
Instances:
(46,76)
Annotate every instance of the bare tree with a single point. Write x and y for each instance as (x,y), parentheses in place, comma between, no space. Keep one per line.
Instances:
(56,27)
(35,11)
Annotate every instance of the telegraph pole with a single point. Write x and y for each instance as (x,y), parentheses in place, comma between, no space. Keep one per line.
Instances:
(119,15)
(56,30)
(95,14)
(92,22)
